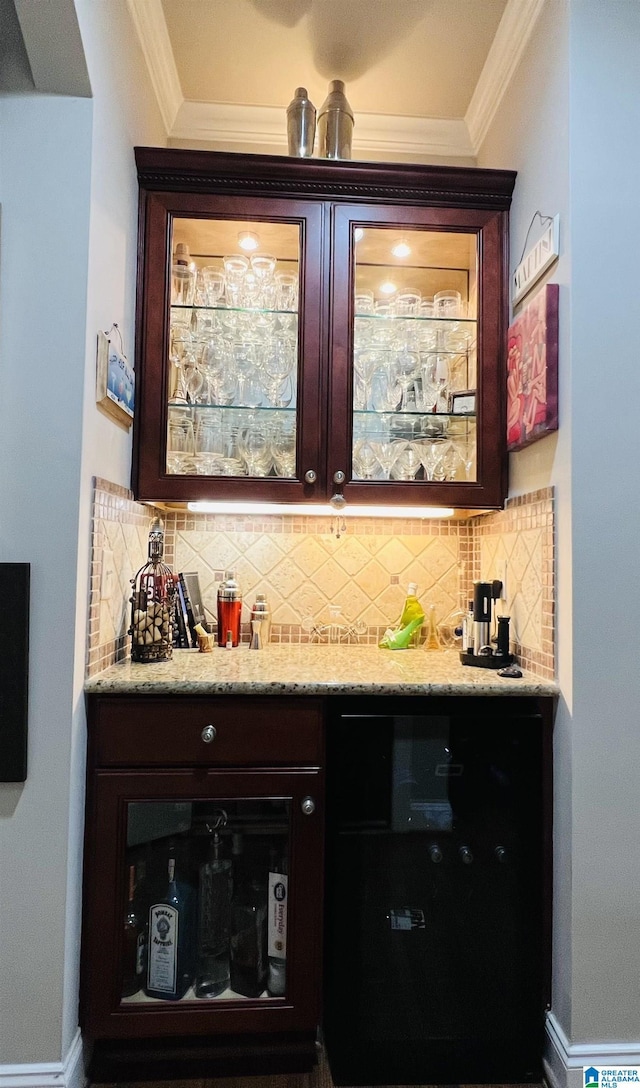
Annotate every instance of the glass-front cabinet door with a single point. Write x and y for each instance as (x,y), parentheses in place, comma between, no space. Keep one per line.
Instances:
(415,338)
(211,907)
(308,327)
(235,347)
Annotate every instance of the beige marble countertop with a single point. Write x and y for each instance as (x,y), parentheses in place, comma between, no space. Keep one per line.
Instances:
(312,670)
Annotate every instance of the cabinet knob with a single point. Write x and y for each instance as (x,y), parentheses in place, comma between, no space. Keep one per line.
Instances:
(308,806)
(310,476)
(209,733)
(435,853)
(466,857)
(339,477)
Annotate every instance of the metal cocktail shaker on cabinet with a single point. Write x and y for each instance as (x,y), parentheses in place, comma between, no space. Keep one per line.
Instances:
(335,124)
(301,125)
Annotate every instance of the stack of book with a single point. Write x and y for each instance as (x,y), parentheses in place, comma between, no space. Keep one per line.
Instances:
(189,610)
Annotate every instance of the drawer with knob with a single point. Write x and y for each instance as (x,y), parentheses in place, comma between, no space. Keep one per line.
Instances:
(225,731)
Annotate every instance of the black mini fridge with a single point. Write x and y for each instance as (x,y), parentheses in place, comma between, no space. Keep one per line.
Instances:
(438,891)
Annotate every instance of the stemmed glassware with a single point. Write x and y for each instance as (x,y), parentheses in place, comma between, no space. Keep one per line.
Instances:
(283,448)
(233,346)
(278,361)
(254,446)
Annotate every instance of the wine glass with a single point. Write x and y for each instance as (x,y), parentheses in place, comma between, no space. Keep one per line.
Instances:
(278,361)
(283,449)
(406,369)
(255,447)
(385,396)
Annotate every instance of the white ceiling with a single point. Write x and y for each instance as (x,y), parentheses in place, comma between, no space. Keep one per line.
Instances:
(424,77)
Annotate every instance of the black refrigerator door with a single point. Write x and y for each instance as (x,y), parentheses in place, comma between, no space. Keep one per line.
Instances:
(434,943)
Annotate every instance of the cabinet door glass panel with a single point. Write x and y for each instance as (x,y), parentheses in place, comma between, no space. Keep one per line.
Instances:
(206,906)
(233,373)
(414,355)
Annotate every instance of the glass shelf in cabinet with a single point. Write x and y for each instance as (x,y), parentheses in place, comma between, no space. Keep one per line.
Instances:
(262,409)
(371,413)
(232,309)
(444,322)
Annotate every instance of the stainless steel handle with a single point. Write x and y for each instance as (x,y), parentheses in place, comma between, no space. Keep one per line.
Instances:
(308,806)
(310,476)
(209,733)
(339,477)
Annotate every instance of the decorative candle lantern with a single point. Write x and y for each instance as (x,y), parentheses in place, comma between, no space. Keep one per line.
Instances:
(152,604)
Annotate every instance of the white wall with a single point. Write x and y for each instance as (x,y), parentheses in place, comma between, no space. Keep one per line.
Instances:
(530,134)
(605,460)
(69,218)
(45,148)
(568,125)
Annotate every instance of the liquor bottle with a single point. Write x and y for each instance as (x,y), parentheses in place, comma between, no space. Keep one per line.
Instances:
(171,936)
(214,909)
(277,924)
(249,935)
(134,942)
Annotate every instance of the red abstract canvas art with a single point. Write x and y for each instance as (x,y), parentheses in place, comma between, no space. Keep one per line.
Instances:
(532,370)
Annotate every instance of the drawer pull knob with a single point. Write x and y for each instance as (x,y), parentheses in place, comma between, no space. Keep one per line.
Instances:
(310,476)
(308,806)
(209,733)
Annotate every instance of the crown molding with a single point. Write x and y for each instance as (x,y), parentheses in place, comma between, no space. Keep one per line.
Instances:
(230,124)
(513,33)
(235,126)
(151,28)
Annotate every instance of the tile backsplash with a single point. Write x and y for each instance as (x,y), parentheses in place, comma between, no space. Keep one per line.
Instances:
(304,566)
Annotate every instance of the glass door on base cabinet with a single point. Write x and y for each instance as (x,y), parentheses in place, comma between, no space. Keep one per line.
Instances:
(416,339)
(205,904)
(233,403)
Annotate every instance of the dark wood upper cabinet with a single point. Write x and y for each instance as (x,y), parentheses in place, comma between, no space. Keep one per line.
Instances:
(359,348)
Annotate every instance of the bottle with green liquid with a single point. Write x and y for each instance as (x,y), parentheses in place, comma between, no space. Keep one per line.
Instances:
(407,630)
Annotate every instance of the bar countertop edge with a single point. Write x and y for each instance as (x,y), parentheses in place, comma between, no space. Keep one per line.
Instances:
(312,670)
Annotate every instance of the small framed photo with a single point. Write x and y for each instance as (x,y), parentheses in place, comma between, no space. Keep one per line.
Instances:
(115,382)
(463,403)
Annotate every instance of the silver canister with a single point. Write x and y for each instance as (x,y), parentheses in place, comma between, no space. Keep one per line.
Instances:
(301,125)
(335,124)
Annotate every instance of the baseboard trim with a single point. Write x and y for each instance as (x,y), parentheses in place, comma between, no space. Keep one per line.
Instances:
(564,1061)
(69,1073)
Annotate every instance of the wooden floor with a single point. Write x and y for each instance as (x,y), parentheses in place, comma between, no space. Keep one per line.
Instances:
(320,1077)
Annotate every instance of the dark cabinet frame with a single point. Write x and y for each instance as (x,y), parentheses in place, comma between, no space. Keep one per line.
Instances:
(120,1030)
(324,198)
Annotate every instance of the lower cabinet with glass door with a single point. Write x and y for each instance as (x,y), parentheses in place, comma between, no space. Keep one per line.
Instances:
(202,921)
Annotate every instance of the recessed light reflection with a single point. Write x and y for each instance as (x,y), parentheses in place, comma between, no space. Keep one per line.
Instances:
(248,241)
(358,234)
(387,288)
(401,249)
